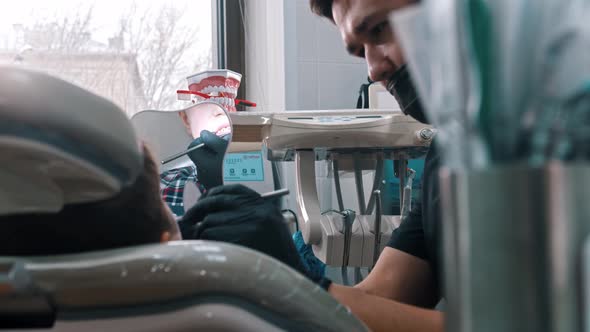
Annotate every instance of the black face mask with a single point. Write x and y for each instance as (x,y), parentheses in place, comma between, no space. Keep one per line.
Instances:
(401,87)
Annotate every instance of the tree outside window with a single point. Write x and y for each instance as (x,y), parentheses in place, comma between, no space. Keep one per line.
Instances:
(137,56)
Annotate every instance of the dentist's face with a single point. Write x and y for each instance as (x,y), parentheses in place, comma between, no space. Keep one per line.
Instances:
(365,30)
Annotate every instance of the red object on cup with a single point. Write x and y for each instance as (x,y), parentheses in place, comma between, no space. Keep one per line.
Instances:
(186,95)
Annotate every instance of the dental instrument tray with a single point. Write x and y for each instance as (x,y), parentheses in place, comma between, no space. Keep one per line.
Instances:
(388,131)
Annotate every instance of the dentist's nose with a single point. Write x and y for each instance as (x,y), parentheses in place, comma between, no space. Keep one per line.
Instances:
(380,68)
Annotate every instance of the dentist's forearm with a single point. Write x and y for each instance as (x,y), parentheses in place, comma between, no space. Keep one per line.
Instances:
(381,314)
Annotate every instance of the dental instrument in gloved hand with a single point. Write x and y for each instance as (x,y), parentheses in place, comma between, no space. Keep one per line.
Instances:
(189,150)
(209,158)
(275,193)
(182,153)
(207,153)
(239,215)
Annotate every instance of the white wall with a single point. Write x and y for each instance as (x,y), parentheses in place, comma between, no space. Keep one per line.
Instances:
(265,58)
(297,60)
(319,73)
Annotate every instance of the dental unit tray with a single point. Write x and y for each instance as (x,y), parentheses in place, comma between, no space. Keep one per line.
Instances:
(344,131)
(356,140)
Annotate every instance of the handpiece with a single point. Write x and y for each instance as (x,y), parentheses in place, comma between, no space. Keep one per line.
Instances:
(275,193)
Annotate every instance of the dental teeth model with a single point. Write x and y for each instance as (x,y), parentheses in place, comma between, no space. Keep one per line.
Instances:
(220,84)
(223,131)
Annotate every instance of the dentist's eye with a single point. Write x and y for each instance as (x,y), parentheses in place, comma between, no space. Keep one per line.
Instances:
(380,33)
(379,28)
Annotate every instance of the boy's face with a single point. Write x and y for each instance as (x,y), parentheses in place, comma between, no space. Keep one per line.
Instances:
(207,116)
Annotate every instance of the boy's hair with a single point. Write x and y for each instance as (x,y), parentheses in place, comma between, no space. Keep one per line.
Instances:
(134,216)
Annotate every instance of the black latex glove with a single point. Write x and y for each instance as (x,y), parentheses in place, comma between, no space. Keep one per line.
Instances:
(237,214)
(209,158)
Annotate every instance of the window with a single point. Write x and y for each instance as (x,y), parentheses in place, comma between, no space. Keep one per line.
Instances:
(135,53)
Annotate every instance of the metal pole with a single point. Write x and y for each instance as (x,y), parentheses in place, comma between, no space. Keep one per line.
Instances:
(378,212)
(402,166)
(360,190)
(377,182)
(348,217)
(337,185)
(221,36)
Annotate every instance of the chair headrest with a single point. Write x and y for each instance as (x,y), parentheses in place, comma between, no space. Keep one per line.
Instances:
(60,144)
(153,276)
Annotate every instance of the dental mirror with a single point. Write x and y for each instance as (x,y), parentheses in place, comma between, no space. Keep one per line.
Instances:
(205,115)
(208,125)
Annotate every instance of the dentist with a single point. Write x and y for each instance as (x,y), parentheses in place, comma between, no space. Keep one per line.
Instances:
(401,291)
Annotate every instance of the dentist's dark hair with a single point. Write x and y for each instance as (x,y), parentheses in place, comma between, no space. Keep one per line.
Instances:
(322,8)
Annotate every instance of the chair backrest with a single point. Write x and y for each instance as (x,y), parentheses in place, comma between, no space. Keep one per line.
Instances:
(179,286)
(60,144)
